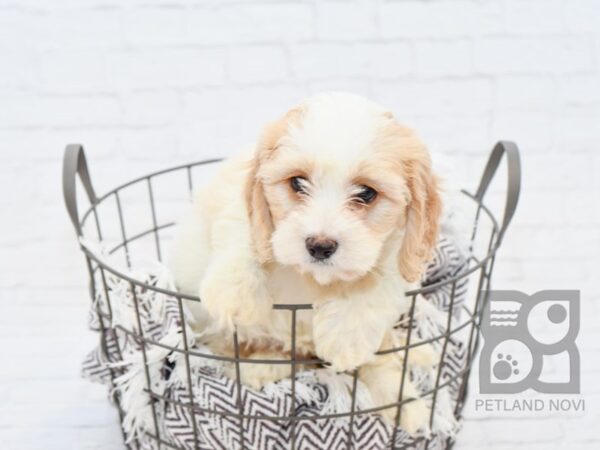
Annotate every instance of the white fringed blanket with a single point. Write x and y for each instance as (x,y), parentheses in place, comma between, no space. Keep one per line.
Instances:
(318,392)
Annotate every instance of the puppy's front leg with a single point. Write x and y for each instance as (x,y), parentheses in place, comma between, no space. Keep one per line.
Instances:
(234,291)
(349,329)
(383,378)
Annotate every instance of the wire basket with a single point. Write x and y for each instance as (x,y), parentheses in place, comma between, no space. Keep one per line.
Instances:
(105,220)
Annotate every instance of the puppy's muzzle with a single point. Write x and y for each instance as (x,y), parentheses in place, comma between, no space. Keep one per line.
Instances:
(321,248)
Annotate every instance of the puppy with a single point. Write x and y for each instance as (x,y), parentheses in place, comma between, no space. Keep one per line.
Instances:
(337,207)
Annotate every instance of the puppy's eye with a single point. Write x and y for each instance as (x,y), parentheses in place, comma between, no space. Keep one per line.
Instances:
(298,184)
(366,195)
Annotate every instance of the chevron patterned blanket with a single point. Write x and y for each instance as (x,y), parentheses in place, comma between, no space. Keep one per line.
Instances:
(120,364)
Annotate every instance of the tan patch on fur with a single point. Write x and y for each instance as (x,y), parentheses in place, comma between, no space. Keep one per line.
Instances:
(247,349)
(261,221)
(271,346)
(424,207)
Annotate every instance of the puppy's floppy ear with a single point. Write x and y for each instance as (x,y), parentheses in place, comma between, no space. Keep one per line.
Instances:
(423,210)
(261,222)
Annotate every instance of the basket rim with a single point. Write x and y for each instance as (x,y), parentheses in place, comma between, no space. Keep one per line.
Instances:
(480,263)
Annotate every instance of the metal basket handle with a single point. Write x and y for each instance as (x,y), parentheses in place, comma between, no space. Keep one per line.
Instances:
(74,163)
(513,190)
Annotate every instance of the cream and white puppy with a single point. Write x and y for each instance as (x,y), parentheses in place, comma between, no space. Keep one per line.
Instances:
(336,206)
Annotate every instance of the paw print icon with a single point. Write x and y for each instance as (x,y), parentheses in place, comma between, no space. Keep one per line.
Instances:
(522,335)
(505,367)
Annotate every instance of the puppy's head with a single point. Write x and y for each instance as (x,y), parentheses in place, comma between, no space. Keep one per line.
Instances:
(333,183)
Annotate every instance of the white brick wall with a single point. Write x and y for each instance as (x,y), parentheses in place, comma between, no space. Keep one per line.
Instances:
(147,83)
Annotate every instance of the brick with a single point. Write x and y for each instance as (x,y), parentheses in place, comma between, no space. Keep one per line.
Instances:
(89,414)
(97,110)
(56,110)
(225,103)
(91,438)
(16,73)
(547,275)
(526,93)
(471,435)
(554,171)
(455,135)
(360,87)
(68,71)
(582,16)
(149,144)
(32,151)
(23,29)
(413,18)
(596,185)
(18,109)
(250,23)
(167,68)
(443,58)
(345,20)
(581,428)
(414,98)
(541,206)
(155,26)
(581,89)
(563,244)
(524,431)
(387,60)
(534,16)
(210,115)
(532,131)
(92,28)
(533,55)
(44,7)
(323,60)
(579,130)
(254,64)
(143,108)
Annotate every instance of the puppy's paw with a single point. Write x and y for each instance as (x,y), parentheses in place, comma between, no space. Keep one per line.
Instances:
(383,381)
(345,344)
(342,356)
(257,376)
(423,355)
(414,417)
(230,307)
(235,298)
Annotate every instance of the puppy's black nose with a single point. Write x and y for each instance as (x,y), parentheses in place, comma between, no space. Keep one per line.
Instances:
(321,248)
